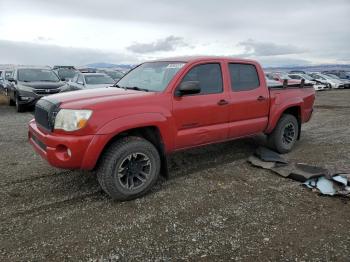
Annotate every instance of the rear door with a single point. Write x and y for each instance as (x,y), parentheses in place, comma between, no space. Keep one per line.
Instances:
(202,118)
(249,100)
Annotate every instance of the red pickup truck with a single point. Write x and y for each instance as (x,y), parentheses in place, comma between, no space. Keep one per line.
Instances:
(125,132)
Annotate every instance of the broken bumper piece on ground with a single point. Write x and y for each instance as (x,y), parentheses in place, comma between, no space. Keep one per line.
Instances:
(325,181)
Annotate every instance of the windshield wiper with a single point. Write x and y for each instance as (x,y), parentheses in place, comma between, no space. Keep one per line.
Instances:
(131,87)
(136,88)
(118,86)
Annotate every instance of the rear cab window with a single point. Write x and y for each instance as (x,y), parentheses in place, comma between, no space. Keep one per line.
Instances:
(244,77)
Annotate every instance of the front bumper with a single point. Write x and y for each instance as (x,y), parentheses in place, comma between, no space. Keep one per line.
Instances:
(66,151)
(30,97)
(28,100)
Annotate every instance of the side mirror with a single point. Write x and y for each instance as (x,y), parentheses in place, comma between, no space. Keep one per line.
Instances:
(188,88)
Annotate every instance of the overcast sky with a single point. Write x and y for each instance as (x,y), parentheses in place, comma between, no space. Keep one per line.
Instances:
(78,32)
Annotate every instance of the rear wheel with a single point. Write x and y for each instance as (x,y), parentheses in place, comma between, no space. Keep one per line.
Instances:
(129,168)
(285,134)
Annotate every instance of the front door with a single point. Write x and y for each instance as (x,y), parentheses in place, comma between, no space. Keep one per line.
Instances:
(202,118)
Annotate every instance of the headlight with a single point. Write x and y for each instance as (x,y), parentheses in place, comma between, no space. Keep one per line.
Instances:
(71,120)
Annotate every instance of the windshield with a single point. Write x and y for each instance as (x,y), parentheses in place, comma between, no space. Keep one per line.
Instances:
(98,79)
(66,73)
(307,77)
(152,76)
(33,75)
(284,76)
(8,74)
(115,74)
(333,76)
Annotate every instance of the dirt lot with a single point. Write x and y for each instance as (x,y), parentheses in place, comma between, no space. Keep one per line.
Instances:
(215,206)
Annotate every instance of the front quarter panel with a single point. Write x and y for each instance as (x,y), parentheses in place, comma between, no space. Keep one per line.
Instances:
(121,124)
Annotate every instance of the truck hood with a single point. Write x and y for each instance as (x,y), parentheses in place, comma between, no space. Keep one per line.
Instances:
(97,86)
(90,97)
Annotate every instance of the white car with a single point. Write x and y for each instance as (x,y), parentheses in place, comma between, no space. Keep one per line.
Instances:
(83,81)
(346,82)
(309,80)
(333,83)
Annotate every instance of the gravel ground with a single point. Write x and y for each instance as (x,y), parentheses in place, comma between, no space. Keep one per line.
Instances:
(214,206)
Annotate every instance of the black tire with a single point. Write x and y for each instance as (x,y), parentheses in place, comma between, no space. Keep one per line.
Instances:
(19,108)
(133,157)
(11,102)
(285,134)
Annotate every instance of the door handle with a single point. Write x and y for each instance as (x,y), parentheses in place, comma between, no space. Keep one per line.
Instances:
(222,102)
(261,98)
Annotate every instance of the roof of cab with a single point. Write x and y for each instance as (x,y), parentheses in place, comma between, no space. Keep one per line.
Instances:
(200,58)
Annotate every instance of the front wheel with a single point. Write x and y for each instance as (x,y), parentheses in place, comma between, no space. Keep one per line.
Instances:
(129,168)
(19,108)
(285,134)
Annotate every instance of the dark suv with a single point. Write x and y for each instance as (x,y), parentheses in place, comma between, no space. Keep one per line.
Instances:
(65,73)
(29,84)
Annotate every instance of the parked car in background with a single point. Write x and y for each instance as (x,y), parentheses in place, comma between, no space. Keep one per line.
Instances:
(115,74)
(346,82)
(87,70)
(5,74)
(331,82)
(309,80)
(161,107)
(2,81)
(339,73)
(88,81)
(65,73)
(297,72)
(281,76)
(273,83)
(29,84)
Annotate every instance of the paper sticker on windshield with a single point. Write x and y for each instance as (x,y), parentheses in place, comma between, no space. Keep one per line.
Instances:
(177,66)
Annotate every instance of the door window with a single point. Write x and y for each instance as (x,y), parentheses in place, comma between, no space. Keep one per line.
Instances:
(209,77)
(244,77)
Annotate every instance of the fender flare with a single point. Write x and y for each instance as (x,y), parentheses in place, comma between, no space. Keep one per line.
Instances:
(273,119)
(119,125)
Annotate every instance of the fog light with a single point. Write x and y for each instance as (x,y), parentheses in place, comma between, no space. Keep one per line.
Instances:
(63,153)
(25,98)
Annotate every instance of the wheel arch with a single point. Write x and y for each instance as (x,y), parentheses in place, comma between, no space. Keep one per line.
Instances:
(294,110)
(150,133)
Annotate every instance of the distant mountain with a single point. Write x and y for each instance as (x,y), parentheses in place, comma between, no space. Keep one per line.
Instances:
(313,68)
(108,65)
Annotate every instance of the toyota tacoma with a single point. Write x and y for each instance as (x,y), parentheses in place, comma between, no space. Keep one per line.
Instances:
(125,132)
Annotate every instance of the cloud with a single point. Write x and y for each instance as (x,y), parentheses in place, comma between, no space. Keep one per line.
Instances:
(273,28)
(169,43)
(277,61)
(42,54)
(256,48)
(43,39)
